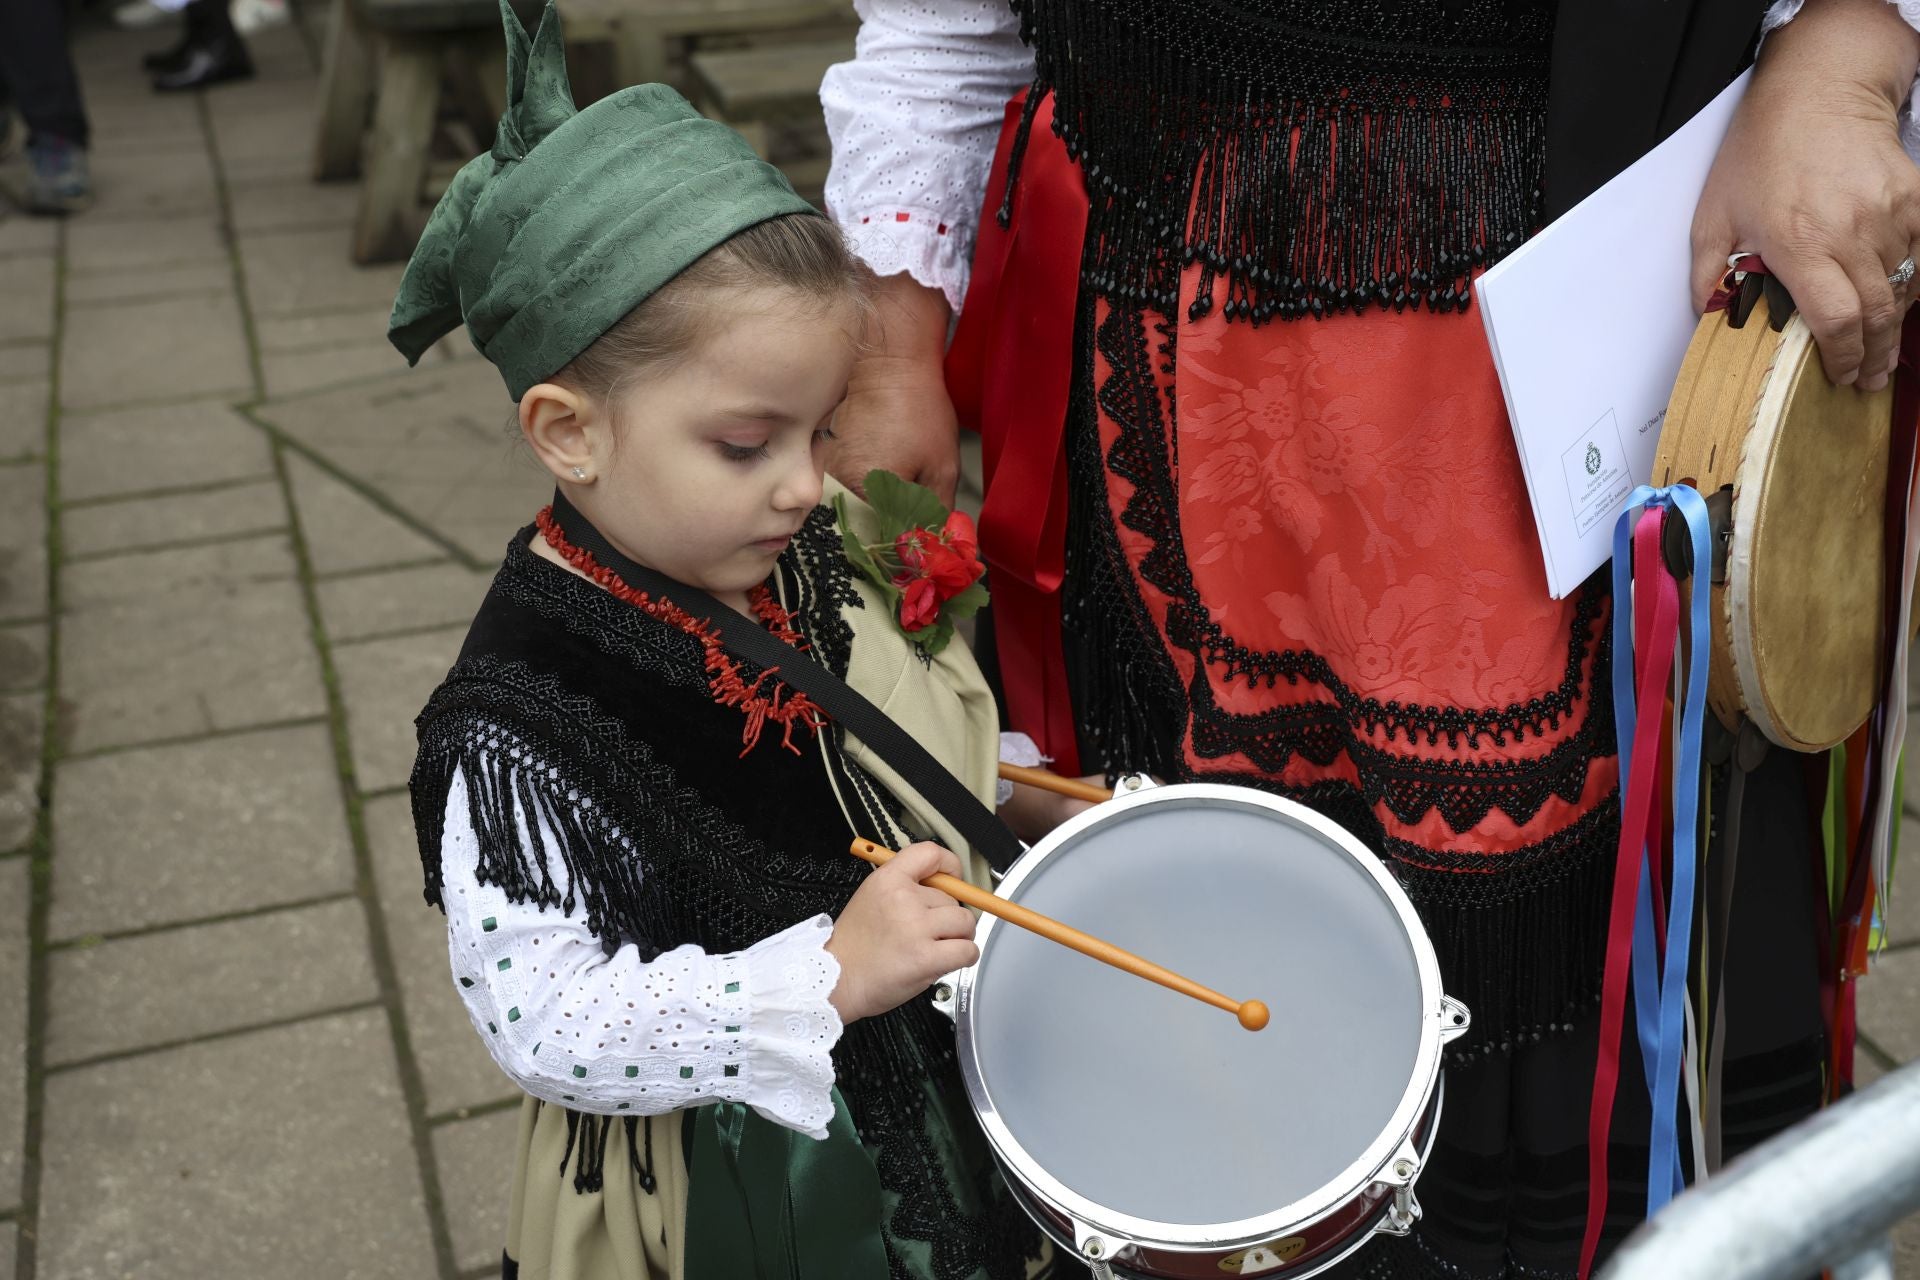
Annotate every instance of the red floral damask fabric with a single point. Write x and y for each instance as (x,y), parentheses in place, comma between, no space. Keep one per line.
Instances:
(1348,489)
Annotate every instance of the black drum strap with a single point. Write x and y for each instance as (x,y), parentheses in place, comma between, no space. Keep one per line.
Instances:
(746,638)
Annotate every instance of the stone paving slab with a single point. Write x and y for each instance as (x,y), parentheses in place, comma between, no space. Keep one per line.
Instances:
(122,352)
(372,604)
(158,242)
(137,185)
(327,330)
(22,725)
(9,1247)
(139,522)
(216,569)
(289,272)
(475,1159)
(438,443)
(26,282)
(23,657)
(454,1066)
(25,360)
(384,684)
(183,984)
(1889,1001)
(165,447)
(166,834)
(298,205)
(148,669)
(251,1156)
(147,284)
(23,542)
(21,234)
(23,418)
(15,896)
(292,373)
(344,531)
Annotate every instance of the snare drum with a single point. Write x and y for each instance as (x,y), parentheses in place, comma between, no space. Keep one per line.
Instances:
(1152,1134)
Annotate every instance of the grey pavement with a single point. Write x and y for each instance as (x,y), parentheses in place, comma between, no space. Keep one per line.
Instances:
(239,542)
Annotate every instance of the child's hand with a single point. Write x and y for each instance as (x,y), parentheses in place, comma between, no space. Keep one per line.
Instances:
(897,936)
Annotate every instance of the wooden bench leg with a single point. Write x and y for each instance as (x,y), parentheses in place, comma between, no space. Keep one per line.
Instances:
(639,52)
(479,75)
(397,152)
(346,84)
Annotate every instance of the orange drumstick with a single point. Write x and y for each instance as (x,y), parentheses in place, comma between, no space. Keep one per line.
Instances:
(1047,780)
(1253,1014)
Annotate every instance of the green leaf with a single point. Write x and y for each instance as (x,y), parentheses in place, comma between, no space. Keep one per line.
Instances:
(934,638)
(968,602)
(855,551)
(902,504)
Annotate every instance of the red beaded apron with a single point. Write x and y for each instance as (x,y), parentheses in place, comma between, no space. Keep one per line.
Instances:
(1326,529)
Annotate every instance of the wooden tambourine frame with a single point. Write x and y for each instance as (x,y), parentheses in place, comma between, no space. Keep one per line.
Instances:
(1795,472)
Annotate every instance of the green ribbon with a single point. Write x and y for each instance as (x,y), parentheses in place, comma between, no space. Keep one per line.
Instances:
(766,1202)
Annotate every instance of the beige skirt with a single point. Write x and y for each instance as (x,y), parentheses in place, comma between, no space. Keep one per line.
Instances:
(615,1231)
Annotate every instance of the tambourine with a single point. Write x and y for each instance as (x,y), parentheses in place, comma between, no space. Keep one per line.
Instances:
(1794,470)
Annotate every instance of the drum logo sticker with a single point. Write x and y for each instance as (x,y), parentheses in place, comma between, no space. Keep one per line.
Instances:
(1597,476)
(1263,1257)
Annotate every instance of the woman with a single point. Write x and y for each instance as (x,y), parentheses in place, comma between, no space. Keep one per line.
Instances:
(1253,510)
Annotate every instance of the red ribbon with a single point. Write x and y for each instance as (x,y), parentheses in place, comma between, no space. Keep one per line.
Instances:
(1009,371)
(1650,579)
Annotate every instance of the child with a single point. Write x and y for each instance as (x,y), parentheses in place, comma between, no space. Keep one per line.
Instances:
(661,937)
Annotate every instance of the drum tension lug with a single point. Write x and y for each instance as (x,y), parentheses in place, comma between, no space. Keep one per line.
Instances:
(1404,1210)
(1097,1251)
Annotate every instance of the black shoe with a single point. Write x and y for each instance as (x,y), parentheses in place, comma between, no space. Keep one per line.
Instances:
(170,59)
(213,62)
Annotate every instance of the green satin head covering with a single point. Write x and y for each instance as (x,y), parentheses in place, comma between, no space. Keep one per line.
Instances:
(575,217)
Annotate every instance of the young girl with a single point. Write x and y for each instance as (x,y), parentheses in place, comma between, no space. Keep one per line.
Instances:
(640,841)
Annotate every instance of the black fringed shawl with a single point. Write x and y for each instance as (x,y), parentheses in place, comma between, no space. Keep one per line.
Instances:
(1314,157)
(569,704)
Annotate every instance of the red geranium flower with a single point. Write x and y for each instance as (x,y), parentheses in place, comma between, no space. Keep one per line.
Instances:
(920,607)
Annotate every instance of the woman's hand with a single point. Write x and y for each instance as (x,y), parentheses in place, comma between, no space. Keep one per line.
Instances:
(897,416)
(896,936)
(1813,179)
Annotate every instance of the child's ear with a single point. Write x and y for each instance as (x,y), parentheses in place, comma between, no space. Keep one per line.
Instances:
(558,425)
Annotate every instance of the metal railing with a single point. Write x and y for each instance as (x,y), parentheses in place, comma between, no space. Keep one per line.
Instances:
(1823,1194)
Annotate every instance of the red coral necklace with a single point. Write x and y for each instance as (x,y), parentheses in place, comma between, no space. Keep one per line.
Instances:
(765,699)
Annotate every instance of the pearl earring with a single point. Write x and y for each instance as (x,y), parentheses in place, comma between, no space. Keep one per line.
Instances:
(579,473)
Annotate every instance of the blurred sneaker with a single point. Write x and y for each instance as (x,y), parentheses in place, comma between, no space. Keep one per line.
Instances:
(138,15)
(57,182)
(250,16)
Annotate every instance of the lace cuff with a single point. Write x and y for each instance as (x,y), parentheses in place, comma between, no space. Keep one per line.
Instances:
(1016,748)
(792,1027)
(916,242)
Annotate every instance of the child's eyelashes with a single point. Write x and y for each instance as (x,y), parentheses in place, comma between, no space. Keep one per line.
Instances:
(743,452)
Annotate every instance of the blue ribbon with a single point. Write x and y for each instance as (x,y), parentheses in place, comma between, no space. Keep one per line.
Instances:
(1660,998)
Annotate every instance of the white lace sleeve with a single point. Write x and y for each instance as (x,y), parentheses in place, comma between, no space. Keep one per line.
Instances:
(609,1034)
(1781,12)
(914,119)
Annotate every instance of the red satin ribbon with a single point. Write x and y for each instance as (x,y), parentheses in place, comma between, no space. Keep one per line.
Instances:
(1009,370)
(1656,596)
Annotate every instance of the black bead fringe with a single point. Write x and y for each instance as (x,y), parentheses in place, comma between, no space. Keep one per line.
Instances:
(1311,158)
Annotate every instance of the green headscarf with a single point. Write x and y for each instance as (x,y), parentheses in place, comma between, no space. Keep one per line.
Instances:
(575,217)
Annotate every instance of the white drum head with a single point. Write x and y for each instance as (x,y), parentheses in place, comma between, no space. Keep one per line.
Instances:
(1159,1109)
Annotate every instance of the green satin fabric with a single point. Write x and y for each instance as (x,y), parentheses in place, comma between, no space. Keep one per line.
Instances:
(768,1203)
